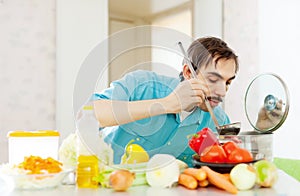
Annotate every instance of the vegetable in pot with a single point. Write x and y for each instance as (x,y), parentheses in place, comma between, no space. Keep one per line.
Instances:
(202,139)
(213,154)
(229,147)
(240,155)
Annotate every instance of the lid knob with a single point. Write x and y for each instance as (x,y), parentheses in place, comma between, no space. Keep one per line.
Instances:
(270,102)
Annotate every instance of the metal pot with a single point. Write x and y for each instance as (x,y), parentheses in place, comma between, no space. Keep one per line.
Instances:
(266,93)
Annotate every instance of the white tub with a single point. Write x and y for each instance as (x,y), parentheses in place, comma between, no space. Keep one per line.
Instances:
(43,143)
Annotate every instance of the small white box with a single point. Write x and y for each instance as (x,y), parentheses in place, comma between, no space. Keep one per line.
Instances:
(43,143)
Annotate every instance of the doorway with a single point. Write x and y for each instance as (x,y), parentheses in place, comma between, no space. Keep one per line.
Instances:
(172,14)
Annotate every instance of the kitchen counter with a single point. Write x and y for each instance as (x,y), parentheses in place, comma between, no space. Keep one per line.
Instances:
(285,186)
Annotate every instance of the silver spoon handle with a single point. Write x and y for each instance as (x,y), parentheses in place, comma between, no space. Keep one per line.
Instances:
(211,113)
(188,60)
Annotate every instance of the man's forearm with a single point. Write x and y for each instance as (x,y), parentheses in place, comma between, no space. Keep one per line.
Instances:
(111,112)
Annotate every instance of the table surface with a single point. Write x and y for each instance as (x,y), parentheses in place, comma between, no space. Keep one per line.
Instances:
(286,185)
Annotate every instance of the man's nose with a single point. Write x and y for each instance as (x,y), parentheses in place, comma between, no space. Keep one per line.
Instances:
(221,90)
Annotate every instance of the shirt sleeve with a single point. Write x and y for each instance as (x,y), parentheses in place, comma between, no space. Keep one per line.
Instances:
(138,85)
(122,89)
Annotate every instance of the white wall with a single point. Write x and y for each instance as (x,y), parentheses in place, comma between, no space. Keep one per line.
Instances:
(125,54)
(164,60)
(81,26)
(208,18)
(43,44)
(241,34)
(27,67)
(265,34)
(124,61)
(279,39)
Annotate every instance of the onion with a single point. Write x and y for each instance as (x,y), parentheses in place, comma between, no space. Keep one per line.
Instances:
(243,176)
(162,171)
(266,173)
(121,180)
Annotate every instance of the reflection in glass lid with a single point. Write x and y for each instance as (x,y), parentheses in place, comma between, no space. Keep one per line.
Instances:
(267,102)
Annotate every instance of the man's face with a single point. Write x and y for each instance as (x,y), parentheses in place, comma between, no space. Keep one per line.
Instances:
(218,79)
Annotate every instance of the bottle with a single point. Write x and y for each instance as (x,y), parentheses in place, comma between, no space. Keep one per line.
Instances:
(87,160)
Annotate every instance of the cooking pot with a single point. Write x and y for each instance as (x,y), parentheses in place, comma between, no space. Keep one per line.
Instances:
(266,93)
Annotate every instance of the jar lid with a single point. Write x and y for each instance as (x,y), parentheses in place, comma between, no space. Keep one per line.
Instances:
(267,94)
(39,133)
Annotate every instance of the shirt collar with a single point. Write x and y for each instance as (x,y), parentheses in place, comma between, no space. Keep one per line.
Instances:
(185,114)
(191,118)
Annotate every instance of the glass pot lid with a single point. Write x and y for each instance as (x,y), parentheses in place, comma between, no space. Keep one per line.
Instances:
(266,102)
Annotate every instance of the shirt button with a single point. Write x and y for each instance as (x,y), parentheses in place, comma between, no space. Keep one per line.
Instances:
(184,157)
(169,143)
(137,139)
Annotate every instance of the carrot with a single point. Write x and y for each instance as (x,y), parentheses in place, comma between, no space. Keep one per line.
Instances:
(227,176)
(187,181)
(199,174)
(203,183)
(219,180)
(38,165)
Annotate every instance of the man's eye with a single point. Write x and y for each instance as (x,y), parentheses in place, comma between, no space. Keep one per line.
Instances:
(213,80)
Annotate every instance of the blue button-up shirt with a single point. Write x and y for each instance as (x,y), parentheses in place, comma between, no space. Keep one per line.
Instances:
(166,133)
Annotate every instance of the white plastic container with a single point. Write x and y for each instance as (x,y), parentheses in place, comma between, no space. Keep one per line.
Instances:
(43,143)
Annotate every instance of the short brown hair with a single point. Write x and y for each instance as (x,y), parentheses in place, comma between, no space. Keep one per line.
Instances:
(202,52)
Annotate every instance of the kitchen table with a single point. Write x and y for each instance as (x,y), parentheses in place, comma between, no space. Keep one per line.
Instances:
(286,185)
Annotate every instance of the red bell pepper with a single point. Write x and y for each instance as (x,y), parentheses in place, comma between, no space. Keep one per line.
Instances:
(202,139)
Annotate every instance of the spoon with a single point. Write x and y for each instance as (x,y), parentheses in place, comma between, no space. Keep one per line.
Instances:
(228,129)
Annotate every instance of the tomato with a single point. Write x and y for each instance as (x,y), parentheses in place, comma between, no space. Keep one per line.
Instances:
(213,154)
(240,155)
(202,139)
(229,147)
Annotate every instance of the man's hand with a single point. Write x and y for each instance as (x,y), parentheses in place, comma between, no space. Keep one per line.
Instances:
(268,119)
(187,95)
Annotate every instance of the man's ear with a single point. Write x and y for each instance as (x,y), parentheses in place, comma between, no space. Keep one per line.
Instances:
(186,72)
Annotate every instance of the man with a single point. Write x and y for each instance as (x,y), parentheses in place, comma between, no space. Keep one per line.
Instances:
(158,113)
